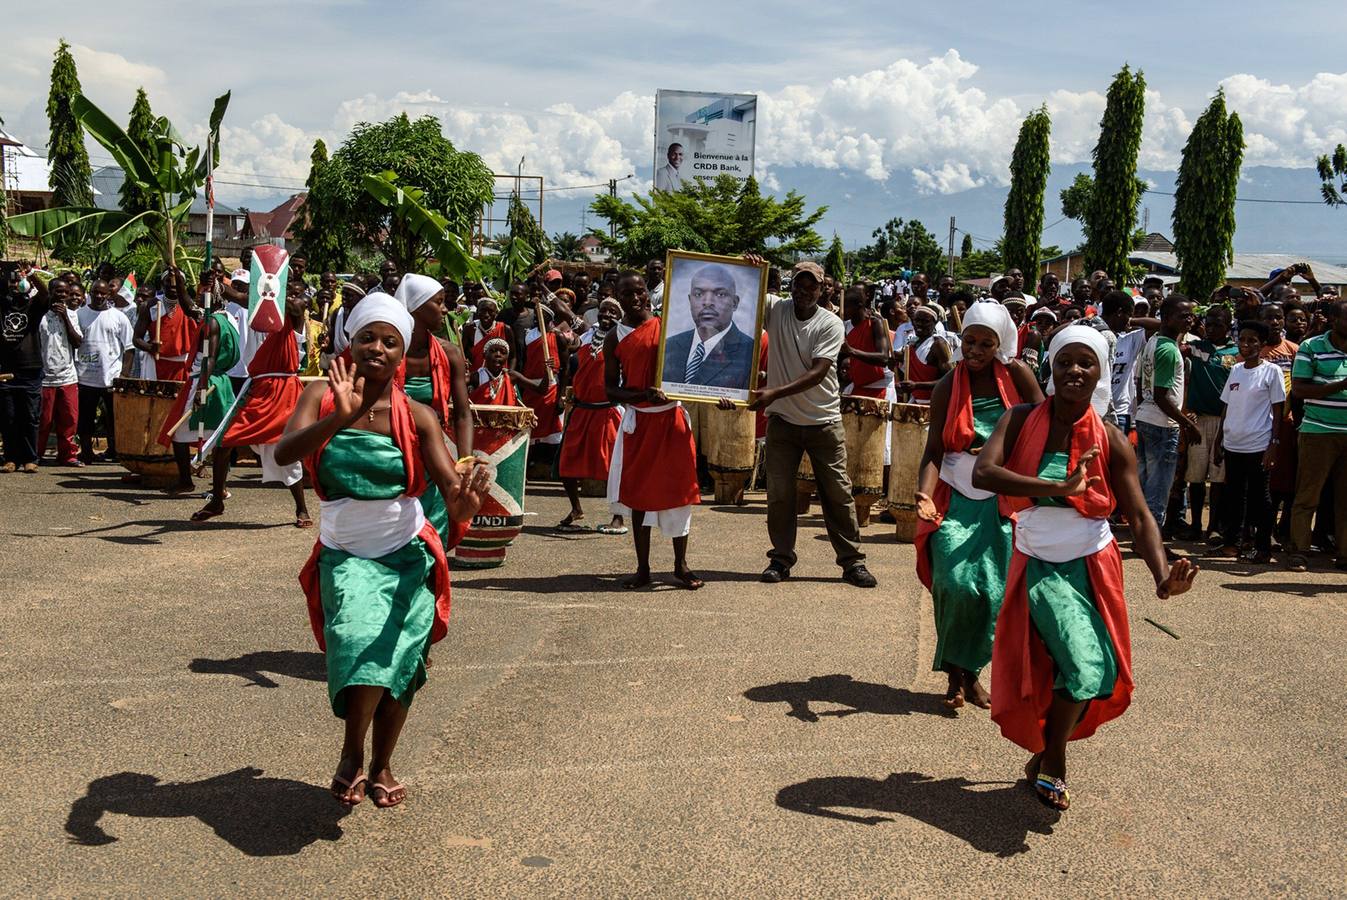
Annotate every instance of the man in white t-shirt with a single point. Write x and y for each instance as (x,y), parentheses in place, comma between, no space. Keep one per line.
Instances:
(804,415)
(59,335)
(1118,308)
(1246,442)
(102,356)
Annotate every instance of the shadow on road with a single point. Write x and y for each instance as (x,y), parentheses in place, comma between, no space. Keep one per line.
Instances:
(1298,589)
(251,666)
(258,816)
(160,527)
(991,816)
(859,696)
(578,583)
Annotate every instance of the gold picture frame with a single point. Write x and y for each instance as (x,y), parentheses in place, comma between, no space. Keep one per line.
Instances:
(721,374)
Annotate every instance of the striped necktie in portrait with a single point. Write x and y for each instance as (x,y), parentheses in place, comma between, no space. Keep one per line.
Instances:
(696,362)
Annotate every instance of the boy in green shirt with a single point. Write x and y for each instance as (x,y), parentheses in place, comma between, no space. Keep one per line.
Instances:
(1211,359)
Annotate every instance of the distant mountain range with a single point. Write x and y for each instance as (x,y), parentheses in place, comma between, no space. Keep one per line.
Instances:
(857,205)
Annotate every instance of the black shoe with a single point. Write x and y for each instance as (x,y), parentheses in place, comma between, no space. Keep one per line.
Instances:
(859,576)
(774,574)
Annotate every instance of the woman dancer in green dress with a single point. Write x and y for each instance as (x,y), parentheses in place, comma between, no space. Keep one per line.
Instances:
(377,582)
(1062,656)
(435,376)
(963,541)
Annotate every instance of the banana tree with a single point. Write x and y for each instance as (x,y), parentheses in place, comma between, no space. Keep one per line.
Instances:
(449,249)
(166,169)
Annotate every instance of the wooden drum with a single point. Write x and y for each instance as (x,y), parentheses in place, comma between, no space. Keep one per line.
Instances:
(865,421)
(909,422)
(727,439)
(500,435)
(139,408)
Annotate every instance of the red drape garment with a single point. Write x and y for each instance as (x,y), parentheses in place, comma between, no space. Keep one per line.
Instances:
(1022,670)
(270,400)
(863,374)
(587,447)
(659,457)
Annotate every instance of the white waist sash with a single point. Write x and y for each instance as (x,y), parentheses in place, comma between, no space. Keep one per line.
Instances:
(629,414)
(956,470)
(1058,534)
(369,528)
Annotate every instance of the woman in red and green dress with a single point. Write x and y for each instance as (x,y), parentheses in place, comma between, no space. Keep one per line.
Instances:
(963,540)
(377,581)
(1061,659)
(434,375)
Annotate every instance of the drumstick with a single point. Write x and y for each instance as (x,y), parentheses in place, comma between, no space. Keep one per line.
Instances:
(542,333)
(907,361)
(191,409)
(158,324)
(6,377)
(958,319)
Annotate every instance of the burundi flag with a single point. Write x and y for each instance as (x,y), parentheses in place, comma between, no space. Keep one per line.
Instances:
(266,290)
(128,288)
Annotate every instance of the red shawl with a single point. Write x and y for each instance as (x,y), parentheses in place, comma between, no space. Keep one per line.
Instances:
(1022,670)
(440,380)
(407,440)
(957,436)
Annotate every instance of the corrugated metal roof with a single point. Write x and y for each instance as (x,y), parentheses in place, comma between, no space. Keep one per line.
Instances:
(108,184)
(1252,266)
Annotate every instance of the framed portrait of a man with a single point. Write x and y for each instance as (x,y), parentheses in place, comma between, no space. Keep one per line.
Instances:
(710,332)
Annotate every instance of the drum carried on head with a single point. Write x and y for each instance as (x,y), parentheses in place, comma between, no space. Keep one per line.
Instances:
(139,408)
(500,435)
(865,423)
(910,422)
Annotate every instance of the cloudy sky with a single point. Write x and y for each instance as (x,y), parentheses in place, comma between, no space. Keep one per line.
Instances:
(925,101)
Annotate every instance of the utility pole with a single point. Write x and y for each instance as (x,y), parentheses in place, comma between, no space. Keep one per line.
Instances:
(612,226)
(951,246)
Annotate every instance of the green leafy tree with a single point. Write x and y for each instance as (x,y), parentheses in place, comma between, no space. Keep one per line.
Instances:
(71,178)
(566,246)
(900,244)
(319,230)
(723,216)
(966,248)
(835,264)
(1029,166)
(407,210)
(1204,199)
(455,184)
(1076,197)
(523,228)
(1111,217)
(1333,175)
(133,198)
(171,172)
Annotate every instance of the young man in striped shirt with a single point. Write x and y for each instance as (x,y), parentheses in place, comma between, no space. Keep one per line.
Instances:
(1319,377)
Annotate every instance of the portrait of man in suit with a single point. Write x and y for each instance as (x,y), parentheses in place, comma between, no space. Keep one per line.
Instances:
(714,352)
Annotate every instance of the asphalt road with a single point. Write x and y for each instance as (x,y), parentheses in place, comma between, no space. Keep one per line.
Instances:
(171,733)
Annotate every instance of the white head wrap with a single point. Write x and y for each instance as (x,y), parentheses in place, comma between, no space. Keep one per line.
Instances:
(379,307)
(994,316)
(414,290)
(486,348)
(1082,334)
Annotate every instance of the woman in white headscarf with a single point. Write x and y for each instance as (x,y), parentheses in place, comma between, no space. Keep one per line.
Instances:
(963,541)
(1061,660)
(377,581)
(435,375)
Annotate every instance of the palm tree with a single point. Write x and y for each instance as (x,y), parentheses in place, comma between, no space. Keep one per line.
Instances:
(566,247)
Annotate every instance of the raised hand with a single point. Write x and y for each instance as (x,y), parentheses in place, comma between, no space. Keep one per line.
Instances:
(1180,579)
(1078,482)
(347,390)
(463,502)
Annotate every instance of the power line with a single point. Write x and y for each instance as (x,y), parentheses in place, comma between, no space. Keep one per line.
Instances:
(1249,199)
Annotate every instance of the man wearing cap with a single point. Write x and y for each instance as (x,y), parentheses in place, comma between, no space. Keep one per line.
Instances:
(804,415)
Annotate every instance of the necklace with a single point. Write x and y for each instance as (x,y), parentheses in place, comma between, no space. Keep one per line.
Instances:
(374,409)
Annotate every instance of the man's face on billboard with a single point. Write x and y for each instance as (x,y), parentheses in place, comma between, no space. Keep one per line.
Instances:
(675,155)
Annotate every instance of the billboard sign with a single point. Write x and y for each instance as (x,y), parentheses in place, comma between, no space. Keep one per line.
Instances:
(701,135)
